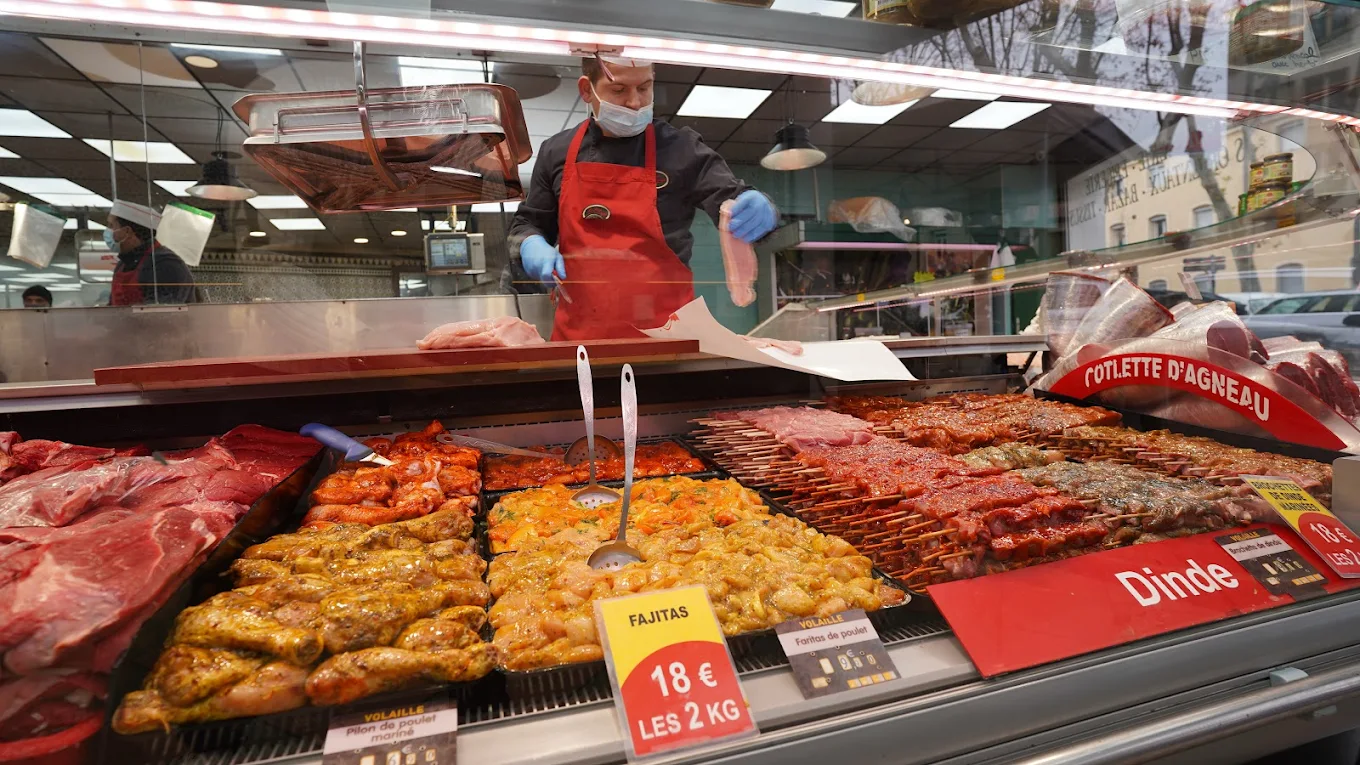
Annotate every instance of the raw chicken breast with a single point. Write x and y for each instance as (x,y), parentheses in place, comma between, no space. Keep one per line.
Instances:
(502,332)
(739,260)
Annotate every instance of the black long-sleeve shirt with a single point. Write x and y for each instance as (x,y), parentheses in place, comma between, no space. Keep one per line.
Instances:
(697,178)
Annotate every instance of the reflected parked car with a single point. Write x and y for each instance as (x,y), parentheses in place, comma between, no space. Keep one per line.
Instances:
(1330,318)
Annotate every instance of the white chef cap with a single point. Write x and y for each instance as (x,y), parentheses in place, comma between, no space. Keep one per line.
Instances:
(135,213)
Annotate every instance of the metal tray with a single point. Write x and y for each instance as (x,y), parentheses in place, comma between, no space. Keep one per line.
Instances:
(360,150)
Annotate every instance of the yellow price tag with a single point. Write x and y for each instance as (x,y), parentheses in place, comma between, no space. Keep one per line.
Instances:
(998,274)
(1324,532)
(675,686)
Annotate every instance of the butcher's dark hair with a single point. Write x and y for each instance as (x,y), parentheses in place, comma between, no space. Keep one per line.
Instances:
(38,290)
(143,233)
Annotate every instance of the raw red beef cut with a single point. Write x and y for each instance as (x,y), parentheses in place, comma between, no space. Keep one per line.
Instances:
(38,454)
(58,495)
(85,583)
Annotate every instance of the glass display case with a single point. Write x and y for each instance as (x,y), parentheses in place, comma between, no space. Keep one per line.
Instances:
(227,215)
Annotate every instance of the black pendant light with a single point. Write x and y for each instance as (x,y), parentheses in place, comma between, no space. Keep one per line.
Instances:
(218,181)
(793,150)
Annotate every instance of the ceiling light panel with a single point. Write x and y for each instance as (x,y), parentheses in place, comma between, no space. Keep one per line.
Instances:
(832,8)
(964,95)
(1000,114)
(277,202)
(727,103)
(419,72)
(154,152)
(298,224)
(7,154)
(178,188)
(21,122)
(230,49)
(495,207)
(851,113)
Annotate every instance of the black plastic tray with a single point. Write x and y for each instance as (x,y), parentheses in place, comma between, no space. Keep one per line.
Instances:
(279,511)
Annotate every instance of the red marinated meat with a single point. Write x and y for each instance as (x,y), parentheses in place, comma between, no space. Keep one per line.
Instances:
(88,582)
(1035,543)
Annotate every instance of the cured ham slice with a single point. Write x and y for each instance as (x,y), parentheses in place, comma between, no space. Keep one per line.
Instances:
(739,260)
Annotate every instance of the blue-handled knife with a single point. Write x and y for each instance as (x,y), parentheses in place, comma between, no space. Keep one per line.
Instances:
(353,450)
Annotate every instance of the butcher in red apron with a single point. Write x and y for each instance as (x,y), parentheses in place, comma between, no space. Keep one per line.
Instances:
(606,222)
(146,272)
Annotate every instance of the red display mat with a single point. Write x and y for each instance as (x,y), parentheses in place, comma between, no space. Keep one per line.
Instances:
(1032,616)
(248,370)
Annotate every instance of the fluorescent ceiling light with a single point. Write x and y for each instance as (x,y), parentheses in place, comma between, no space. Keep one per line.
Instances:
(361,240)
(20,122)
(425,72)
(155,152)
(1000,114)
(398,232)
(7,154)
(230,49)
(298,224)
(455,171)
(64,288)
(93,226)
(820,7)
(439,225)
(495,207)
(38,277)
(178,188)
(64,266)
(277,202)
(727,103)
(852,113)
(258,234)
(55,191)
(965,95)
(9,269)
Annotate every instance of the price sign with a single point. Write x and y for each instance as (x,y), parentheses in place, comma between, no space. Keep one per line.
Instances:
(1338,546)
(1272,562)
(419,731)
(674,683)
(835,653)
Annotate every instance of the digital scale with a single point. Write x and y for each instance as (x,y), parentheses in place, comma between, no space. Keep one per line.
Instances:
(455,252)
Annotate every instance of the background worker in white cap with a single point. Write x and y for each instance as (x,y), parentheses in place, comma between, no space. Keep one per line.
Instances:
(145,273)
(611,203)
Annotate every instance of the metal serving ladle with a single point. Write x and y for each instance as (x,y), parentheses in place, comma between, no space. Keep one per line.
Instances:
(617,554)
(592,495)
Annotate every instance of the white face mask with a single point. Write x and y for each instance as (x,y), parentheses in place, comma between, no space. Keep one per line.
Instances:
(620,120)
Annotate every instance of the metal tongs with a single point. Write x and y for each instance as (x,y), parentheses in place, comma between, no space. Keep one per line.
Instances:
(453,439)
(617,554)
(589,448)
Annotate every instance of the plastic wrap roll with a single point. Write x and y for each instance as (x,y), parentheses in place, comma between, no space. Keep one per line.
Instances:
(1068,295)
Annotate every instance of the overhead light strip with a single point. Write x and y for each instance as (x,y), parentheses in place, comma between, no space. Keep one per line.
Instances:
(296,22)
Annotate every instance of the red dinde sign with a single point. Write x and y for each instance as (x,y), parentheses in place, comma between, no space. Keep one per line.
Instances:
(1045,613)
(1274,412)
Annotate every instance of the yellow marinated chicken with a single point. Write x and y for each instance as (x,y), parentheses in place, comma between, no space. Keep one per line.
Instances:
(758,573)
(384,607)
(237,621)
(656,504)
(276,687)
(186,675)
(352,676)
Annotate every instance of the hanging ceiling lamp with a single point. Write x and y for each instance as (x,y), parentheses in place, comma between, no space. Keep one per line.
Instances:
(793,150)
(218,181)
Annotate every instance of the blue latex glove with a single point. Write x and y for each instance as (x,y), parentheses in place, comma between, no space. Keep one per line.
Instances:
(541,259)
(753,216)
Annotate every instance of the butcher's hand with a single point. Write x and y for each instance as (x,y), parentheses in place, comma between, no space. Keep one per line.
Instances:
(753,216)
(541,260)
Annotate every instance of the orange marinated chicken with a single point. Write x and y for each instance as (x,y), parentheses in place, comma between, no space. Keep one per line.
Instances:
(515,472)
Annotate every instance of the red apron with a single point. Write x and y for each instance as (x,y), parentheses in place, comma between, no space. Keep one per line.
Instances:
(622,276)
(126,289)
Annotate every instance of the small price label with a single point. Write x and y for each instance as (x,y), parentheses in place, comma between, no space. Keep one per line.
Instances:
(674,683)
(419,731)
(1338,546)
(835,653)
(1274,563)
